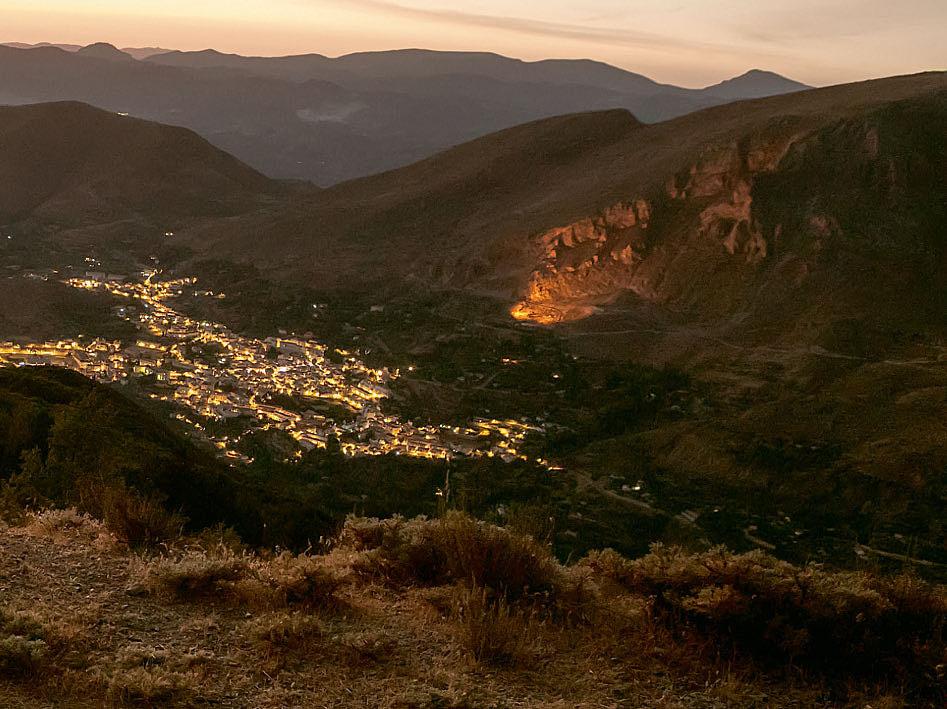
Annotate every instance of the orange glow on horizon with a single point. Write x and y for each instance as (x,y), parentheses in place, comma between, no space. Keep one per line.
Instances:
(694,45)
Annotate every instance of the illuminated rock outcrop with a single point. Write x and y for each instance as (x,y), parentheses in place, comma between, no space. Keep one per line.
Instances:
(589,262)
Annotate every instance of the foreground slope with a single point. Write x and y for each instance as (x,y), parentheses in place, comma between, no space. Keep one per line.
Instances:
(447,612)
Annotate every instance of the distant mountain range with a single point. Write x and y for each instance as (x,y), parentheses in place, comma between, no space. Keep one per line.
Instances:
(327,120)
(134,52)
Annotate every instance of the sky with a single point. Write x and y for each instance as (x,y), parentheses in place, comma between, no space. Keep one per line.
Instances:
(685,42)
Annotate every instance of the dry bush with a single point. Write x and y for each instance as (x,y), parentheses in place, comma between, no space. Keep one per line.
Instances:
(20,656)
(301,580)
(608,564)
(358,648)
(845,623)
(493,631)
(151,686)
(450,549)
(399,551)
(280,633)
(577,600)
(141,655)
(54,522)
(284,580)
(28,644)
(493,557)
(195,574)
(69,524)
(137,521)
(218,536)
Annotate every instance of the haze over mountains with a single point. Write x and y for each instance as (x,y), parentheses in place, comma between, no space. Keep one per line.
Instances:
(135,52)
(327,120)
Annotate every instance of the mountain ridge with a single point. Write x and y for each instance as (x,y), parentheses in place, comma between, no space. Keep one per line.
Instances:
(328,120)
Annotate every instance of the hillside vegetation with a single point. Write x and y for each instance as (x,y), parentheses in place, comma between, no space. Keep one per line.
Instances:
(448,612)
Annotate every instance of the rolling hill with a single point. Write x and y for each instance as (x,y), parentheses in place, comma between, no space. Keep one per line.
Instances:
(71,164)
(788,253)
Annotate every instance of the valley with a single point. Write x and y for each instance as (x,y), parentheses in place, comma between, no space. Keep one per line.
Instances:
(224,386)
(724,328)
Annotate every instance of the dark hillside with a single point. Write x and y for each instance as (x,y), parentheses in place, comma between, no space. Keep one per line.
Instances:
(71,163)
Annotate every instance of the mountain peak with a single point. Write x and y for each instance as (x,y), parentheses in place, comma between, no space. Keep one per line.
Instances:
(755,83)
(104,50)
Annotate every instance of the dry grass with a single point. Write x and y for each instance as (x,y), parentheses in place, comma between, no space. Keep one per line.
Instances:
(261,582)
(493,631)
(30,643)
(194,574)
(455,548)
(150,686)
(279,633)
(263,630)
(69,524)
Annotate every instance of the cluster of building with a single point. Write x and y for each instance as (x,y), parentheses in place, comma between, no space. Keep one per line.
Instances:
(212,374)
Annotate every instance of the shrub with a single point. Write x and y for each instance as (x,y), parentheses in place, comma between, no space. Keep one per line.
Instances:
(399,551)
(493,631)
(150,686)
(20,656)
(495,558)
(195,574)
(140,655)
(69,524)
(299,580)
(609,564)
(287,579)
(277,634)
(846,622)
(26,644)
(138,521)
(451,549)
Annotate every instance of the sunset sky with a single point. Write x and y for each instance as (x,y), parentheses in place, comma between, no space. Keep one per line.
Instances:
(687,42)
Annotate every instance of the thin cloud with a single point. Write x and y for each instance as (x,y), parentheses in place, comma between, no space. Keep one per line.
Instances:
(839,19)
(542,28)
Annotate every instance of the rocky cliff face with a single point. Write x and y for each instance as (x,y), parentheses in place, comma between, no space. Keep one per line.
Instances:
(631,245)
(591,259)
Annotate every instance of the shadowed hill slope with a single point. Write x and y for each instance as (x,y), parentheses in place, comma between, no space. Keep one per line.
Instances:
(71,163)
(578,209)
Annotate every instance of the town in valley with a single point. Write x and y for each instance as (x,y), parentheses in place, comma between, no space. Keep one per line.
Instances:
(224,386)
